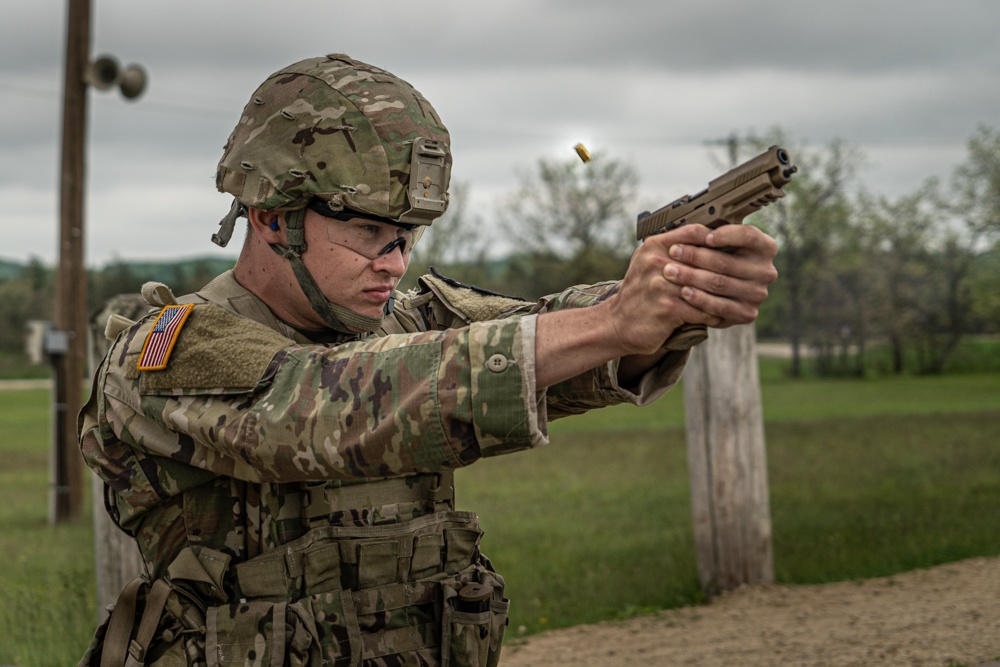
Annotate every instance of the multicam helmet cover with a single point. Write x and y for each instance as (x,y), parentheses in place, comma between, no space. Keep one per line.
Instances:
(343,131)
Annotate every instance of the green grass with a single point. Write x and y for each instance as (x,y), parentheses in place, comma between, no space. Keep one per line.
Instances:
(787,400)
(867,478)
(873,496)
(47,603)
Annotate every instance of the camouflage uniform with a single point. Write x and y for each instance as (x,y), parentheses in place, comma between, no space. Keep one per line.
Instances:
(248,439)
(293,501)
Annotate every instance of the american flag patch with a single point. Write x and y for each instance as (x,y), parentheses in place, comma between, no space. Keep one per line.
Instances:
(161,338)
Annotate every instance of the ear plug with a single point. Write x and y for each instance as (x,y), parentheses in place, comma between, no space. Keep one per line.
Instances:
(275,226)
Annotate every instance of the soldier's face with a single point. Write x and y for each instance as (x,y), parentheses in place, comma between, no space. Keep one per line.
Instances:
(347,277)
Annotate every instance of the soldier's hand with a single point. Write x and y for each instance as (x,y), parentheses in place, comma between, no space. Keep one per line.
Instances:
(728,284)
(648,306)
(685,277)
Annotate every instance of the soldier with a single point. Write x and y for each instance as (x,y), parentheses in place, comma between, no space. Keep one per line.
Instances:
(281,444)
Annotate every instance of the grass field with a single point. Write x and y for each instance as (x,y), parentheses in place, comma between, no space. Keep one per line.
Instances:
(47,605)
(867,478)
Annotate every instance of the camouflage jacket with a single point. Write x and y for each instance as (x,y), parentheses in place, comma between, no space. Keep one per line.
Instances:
(203,451)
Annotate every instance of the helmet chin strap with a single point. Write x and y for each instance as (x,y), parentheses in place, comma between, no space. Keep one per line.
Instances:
(336,317)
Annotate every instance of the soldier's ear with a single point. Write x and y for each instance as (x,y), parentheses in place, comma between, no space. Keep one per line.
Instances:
(269,225)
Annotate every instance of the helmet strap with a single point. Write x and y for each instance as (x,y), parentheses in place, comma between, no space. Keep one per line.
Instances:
(336,317)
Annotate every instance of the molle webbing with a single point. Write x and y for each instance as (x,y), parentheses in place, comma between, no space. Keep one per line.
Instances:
(335,558)
(321,500)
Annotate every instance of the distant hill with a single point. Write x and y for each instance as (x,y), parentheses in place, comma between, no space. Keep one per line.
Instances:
(165,271)
(169,271)
(10,269)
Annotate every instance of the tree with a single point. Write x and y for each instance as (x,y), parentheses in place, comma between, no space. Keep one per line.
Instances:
(945,307)
(808,224)
(983,280)
(927,259)
(974,201)
(117,277)
(27,296)
(976,184)
(895,236)
(571,223)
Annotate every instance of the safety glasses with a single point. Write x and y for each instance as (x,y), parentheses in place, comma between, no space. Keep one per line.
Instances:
(368,236)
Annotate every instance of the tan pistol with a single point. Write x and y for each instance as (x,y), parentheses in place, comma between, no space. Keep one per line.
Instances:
(727,200)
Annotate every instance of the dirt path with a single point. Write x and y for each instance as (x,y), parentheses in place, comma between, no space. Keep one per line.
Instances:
(948,615)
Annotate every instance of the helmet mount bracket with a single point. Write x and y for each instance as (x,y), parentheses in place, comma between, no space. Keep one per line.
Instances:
(427,193)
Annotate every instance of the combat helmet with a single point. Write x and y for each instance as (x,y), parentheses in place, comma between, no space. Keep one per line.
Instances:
(344,134)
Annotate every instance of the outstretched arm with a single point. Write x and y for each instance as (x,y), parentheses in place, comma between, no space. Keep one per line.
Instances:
(679,277)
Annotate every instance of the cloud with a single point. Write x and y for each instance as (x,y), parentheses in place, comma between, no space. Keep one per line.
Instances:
(643,80)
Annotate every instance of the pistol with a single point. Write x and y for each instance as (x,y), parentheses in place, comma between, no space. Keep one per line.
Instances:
(727,200)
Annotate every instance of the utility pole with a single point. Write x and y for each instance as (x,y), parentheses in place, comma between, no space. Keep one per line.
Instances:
(66,343)
(727,456)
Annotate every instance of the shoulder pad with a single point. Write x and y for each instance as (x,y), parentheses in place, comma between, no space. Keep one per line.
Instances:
(474,303)
(474,288)
(213,350)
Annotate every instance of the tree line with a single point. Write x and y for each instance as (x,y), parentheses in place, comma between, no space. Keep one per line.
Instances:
(867,284)
(912,275)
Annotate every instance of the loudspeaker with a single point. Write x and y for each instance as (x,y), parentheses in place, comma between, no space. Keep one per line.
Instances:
(105,72)
(133,81)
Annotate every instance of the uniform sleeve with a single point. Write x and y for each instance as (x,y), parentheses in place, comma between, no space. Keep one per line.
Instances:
(445,303)
(600,387)
(240,400)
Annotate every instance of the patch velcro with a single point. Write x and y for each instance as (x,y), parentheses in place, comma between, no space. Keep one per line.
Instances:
(475,305)
(220,351)
(162,337)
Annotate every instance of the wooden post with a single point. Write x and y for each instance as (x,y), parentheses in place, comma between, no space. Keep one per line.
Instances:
(71,275)
(728,462)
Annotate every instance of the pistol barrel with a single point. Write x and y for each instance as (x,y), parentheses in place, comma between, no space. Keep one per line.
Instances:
(727,199)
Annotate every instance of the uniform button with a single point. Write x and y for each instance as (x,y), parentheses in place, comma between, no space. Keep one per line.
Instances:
(497,363)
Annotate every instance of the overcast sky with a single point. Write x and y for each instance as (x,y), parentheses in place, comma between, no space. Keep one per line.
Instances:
(647,81)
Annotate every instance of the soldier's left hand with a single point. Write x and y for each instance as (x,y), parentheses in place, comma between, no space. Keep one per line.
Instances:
(727,274)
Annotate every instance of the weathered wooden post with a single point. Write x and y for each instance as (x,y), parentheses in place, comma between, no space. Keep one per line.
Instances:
(728,462)
(116,556)
(66,501)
